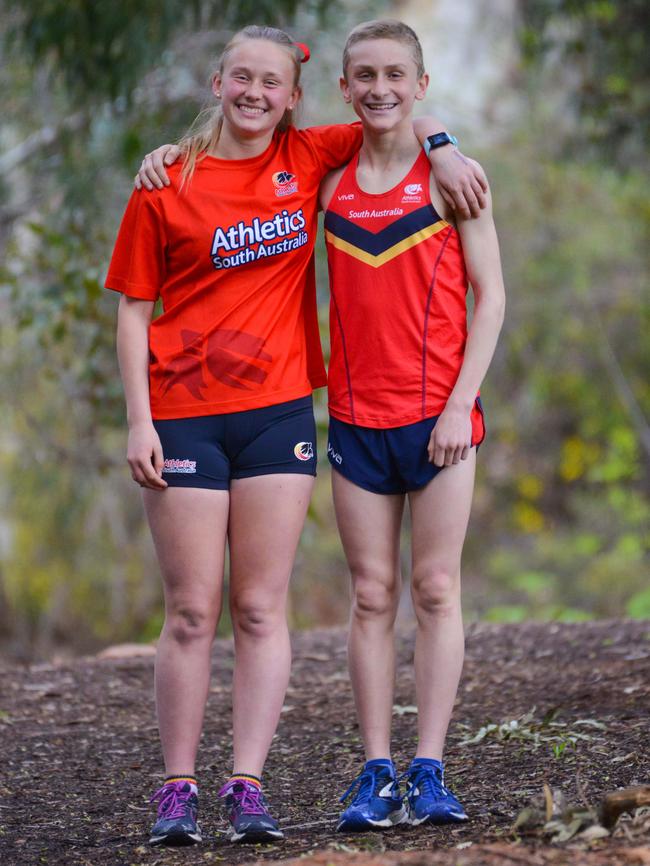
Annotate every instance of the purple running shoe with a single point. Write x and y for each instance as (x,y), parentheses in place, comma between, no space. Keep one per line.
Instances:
(248,814)
(178,807)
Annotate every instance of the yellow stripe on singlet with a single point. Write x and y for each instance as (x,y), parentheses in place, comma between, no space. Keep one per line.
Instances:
(396,250)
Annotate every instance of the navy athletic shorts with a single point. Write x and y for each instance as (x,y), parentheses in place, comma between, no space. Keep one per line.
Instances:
(211,450)
(391,460)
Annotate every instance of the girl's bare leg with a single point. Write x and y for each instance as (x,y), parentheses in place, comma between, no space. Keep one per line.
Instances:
(267,514)
(189,528)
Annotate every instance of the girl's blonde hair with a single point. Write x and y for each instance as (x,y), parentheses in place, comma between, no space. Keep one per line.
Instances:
(204,132)
(386,28)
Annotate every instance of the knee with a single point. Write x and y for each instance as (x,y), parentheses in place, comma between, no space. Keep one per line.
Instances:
(188,624)
(255,616)
(374,596)
(435,591)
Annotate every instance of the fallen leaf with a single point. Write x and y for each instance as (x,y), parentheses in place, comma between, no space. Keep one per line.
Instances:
(401,711)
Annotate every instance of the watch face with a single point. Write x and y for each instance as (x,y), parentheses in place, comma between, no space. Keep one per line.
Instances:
(439,139)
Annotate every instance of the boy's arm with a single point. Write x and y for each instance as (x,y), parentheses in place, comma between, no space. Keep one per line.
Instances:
(144,451)
(461,181)
(451,438)
(151,173)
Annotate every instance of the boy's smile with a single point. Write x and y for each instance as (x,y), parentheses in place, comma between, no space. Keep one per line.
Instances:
(382,83)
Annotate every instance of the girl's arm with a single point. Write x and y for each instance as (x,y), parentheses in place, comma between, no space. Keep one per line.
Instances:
(144,451)
(451,438)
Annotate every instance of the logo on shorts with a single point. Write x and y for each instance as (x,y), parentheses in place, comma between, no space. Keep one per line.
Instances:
(184,467)
(334,455)
(284,182)
(304,450)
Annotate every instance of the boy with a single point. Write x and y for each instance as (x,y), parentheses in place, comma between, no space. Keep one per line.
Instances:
(403,388)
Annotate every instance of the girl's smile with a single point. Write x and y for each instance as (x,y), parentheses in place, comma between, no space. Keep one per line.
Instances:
(256,88)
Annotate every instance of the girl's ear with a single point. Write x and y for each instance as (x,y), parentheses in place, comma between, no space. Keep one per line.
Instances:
(295,98)
(345,90)
(216,84)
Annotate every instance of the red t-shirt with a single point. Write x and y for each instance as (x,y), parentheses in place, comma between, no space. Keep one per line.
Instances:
(231,257)
(398,318)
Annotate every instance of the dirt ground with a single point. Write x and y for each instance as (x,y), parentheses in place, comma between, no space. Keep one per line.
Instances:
(79,755)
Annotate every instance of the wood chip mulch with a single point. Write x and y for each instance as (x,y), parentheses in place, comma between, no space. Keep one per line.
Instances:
(562,706)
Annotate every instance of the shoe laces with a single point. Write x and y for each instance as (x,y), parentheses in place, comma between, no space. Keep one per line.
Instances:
(248,798)
(427,779)
(364,785)
(173,799)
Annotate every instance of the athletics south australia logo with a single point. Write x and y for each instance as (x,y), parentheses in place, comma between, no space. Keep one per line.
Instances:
(285,183)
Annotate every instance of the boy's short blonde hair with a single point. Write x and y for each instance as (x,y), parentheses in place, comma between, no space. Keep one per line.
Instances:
(386,28)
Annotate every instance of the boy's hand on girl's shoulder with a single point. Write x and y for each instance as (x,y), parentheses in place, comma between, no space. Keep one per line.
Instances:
(451,438)
(461,181)
(152,169)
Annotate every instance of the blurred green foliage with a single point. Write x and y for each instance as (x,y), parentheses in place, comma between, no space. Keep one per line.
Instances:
(101,50)
(570,498)
(562,514)
(602,47)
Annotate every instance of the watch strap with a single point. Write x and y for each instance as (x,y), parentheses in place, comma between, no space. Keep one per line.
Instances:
(440,139)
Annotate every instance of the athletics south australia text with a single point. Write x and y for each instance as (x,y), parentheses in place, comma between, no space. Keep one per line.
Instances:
(244,242)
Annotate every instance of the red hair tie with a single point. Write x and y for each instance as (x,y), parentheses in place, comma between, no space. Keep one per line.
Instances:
(306,54)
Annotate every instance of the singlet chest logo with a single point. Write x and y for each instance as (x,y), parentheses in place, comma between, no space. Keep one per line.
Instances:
(412,192)
(245,242)
(285,183)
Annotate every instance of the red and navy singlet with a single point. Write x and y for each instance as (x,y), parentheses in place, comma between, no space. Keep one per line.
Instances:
(398,317)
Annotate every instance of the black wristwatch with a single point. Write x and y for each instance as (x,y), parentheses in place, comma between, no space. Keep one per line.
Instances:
(440,139)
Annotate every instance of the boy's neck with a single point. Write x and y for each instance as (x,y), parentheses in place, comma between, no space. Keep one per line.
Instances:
(383,150)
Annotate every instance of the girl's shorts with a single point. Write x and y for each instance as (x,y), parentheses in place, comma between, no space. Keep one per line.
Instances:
(211,450)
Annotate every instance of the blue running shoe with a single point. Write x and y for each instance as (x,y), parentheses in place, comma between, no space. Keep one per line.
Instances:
(178,807)
(248,815)
(377,801)
(429,801)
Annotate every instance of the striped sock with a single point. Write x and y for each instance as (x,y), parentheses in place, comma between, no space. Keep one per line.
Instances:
(191,779)
(246,777)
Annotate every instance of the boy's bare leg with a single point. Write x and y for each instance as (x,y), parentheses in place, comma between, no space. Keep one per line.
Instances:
(369,525)
(439,517)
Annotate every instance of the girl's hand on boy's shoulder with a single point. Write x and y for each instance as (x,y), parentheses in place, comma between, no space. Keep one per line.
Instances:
(451,438)
(461,181)
(152,169)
